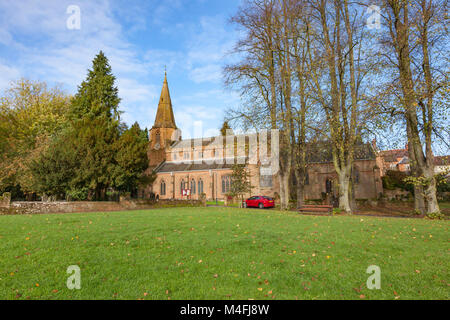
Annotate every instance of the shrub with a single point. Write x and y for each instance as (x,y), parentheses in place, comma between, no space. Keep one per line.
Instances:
(435,215)
(396,180)
(77,194)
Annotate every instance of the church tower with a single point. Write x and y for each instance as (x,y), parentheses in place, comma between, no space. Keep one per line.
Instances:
(164,130)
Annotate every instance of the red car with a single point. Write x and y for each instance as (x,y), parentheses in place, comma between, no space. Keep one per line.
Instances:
(259,202)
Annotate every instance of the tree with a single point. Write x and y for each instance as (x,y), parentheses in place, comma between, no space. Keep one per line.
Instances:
(131,156)
(265,75)
(95,152)
(97,96)
(417,33)
(226,129)
(55,167)
(96,128)
(240,182)
(30,114)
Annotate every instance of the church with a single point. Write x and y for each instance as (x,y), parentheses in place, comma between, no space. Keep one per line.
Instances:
(196,168)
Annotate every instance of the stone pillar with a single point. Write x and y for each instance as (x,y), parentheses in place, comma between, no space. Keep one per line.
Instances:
(5,200)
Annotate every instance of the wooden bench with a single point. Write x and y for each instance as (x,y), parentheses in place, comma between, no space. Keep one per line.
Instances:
(316,208)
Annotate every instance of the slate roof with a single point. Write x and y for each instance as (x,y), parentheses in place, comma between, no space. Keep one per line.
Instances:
(393,155)
(442,160)
(172,166)
(321,152)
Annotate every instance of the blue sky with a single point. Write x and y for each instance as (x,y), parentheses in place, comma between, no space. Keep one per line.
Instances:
(190,37)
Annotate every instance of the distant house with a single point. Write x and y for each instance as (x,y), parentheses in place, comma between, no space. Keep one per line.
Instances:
(398,159)
(442,164)
(394,160)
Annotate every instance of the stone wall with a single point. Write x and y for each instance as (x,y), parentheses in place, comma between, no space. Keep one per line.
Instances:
(396,194)
(369,185)
(28,207)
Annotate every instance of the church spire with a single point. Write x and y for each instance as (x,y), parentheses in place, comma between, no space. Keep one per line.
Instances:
(164,115)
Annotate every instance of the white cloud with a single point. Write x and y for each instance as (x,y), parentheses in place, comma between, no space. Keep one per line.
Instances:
(208,73)
(207,51)
(41,47)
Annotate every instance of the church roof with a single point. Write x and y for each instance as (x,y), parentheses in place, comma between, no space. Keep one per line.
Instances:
(321,152)
(164,115)
(191,166)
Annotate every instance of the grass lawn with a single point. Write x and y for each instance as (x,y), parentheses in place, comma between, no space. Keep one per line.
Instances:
(221,253)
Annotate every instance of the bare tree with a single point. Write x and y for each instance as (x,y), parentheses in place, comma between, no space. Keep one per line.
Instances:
(415,30)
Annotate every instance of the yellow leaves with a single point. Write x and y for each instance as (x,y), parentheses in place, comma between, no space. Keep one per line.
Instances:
(259,289)
(12,274)
(328,257)
(27,238)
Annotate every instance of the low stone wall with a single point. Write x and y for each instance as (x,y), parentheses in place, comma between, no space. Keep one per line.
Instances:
(396,194)
(28,207)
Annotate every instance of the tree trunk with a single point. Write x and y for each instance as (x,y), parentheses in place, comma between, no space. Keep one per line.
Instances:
(419,200)
(284,189)
(430,192)
(344,190)
(300,188)
(300,195)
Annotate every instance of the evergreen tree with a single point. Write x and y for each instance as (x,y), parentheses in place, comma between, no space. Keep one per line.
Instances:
(96,152)
(97,96)
(131,157)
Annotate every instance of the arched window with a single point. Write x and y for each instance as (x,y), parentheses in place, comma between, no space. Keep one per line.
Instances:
(200,186)
(163,188)
(226,184)
(192,186)
(182,186)
(355,175)
(223,185)
(329,186)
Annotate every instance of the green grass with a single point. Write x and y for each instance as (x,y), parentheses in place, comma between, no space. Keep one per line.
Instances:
(444,205)
(221,253)
(214,203)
